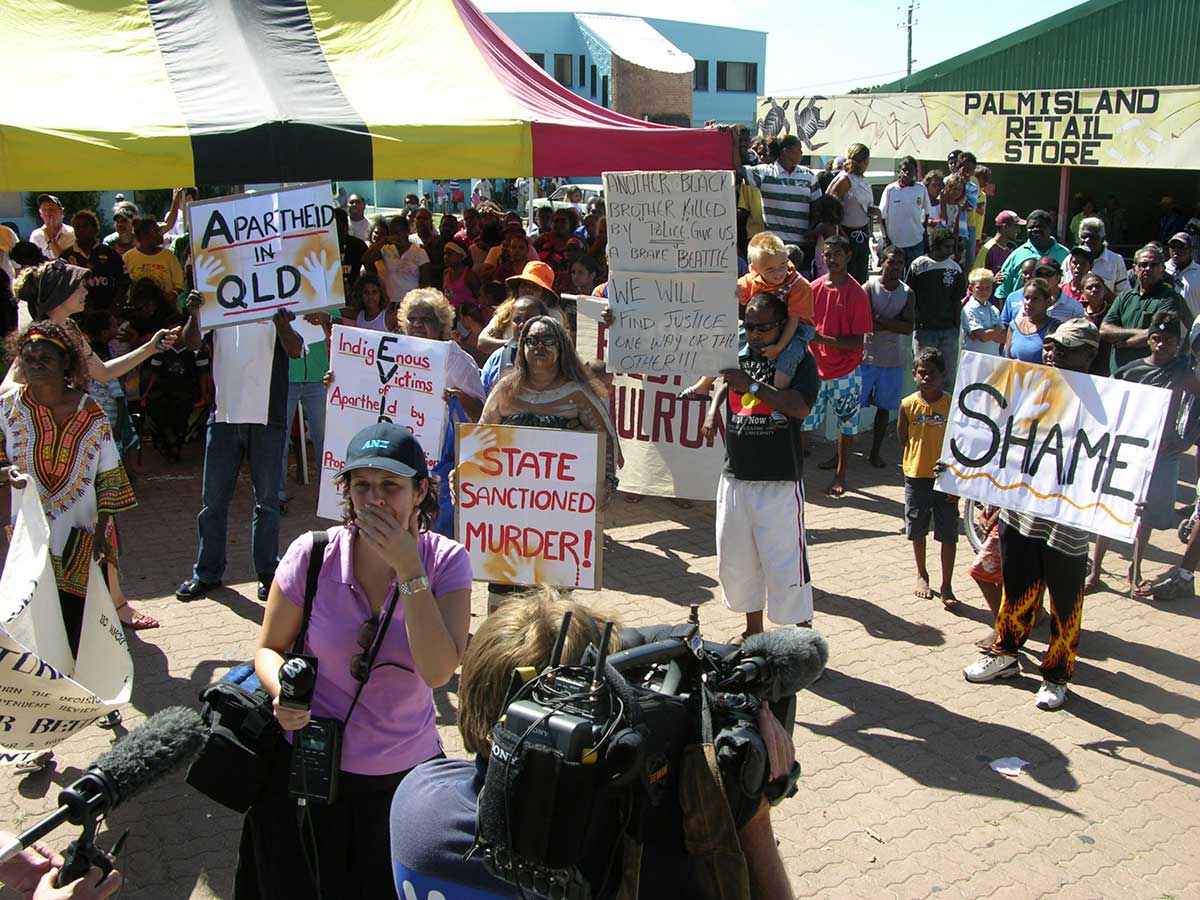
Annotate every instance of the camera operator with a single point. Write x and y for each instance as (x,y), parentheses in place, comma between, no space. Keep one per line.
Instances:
(31,874)
(434,809)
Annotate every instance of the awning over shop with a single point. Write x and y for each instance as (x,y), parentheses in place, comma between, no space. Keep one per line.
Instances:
(154,94)
(1128,127)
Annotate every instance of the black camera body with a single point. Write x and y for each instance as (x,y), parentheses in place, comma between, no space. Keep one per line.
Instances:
(586,759)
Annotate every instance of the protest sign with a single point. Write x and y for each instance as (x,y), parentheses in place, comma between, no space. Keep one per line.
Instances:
(672,271)
(1062,445)
(48,695)
(665,451)
(526,507)
(253,254)
(380,377)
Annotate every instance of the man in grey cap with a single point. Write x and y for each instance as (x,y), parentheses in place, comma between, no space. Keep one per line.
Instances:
(53,237)
(1042,556)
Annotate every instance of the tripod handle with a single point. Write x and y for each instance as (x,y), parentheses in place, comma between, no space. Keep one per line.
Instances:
(81,855)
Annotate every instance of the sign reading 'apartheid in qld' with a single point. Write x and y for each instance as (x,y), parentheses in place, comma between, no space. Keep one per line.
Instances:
(1062,445)
(380,377)
(257,253)
(527,507)
(672,253)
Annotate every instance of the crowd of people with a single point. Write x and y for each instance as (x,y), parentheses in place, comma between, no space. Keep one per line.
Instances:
(834,282)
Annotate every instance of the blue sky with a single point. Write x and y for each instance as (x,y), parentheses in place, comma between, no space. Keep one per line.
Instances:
(833,47)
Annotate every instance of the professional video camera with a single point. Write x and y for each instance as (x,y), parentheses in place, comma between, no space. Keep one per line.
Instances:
(587,759)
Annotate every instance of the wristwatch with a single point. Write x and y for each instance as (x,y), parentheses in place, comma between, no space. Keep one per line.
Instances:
(410,587)
(754,386)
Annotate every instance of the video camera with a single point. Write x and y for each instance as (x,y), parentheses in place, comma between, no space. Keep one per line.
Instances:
(586,760)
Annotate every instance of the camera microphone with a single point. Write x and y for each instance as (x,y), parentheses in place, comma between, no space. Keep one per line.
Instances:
(297,680)
(167,740)
(775,665)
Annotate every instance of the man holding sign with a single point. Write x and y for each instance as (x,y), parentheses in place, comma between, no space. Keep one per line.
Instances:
(250,378)
(1041,555)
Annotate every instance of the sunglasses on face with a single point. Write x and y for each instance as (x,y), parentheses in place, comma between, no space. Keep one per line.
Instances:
(359,663)
(763,328)
(541,340)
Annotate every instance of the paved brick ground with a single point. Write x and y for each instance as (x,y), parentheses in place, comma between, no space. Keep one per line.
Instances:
(897,800)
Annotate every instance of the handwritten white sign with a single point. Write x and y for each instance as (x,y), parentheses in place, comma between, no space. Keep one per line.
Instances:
(672,271)
(257,253)
(377,377)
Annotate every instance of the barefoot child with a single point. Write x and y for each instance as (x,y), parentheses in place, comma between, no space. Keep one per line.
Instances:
(771,271)
(922,428)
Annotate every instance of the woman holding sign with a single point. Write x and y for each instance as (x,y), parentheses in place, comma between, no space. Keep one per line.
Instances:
(388,624)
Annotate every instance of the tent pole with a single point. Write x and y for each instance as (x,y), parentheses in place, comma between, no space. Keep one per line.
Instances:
(1064,201)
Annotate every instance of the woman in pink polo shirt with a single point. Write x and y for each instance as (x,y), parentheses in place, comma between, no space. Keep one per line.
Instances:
(389,623)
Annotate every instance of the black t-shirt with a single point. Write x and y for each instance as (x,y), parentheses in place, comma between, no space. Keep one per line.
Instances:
(107,282)
(939,288)
(757,446)
(352,254)
(178,370)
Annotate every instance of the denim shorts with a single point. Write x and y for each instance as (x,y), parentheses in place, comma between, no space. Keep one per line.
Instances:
(923,502)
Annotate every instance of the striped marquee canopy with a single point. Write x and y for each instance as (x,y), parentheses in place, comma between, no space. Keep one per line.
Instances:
(154,93)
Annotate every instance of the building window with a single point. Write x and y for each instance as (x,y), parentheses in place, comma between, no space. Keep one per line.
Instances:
(604,91)
(564,69)
(737,76)
(539,59)
(582,71)
(700,76)
(593,81)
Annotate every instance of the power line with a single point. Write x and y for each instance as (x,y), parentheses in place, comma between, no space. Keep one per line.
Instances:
(810,85)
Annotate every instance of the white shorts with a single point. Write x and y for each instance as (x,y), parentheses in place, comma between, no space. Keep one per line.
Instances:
(762,557)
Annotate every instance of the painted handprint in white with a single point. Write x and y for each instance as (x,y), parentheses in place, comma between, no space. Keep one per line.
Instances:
(208,269)
(320,272)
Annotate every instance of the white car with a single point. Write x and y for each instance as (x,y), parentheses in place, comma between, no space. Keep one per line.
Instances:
(558,200)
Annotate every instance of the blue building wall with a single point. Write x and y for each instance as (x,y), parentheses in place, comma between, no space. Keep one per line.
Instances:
(552,32)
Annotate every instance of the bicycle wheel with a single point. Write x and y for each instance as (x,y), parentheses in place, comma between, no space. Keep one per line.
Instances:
(972,517)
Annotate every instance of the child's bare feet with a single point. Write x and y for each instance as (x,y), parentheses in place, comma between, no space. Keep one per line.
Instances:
(949,601)
(1093,582)
(837,489)
(922,588)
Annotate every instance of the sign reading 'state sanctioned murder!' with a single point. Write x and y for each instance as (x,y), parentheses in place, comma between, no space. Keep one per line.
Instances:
(527,506)
(254,254)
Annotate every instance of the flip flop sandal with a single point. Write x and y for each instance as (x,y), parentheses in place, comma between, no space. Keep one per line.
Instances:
(35,763)
(139,622)
(1143,589)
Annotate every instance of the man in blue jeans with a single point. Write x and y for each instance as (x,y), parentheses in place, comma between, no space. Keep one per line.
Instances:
(247,421)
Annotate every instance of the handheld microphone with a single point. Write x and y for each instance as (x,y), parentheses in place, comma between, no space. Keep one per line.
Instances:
(297,680)
(166,741)
(775,665)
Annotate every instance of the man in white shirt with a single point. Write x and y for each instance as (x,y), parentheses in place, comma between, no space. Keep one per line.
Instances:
(53,237)
(905,207)
(1185,270)
(1108,265)
(248,420)
(360,225)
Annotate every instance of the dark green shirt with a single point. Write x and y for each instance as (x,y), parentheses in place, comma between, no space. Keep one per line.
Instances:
(1132,310)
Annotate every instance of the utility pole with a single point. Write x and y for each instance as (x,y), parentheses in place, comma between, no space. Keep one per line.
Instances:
(907,23)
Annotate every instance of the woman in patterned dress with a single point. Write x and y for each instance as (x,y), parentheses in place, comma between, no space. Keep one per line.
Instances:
(57,437)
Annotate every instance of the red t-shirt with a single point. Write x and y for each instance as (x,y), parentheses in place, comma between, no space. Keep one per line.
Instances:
(839,312)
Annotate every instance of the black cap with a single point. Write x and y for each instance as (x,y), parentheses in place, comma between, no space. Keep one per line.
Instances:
(1048,264)
(42,198)
(386,446)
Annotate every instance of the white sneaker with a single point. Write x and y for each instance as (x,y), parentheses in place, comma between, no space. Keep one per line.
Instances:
(988,667)
(1051,695)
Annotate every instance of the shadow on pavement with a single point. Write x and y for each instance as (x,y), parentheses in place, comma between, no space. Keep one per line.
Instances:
(1172,746)
(877,621)
(939,748)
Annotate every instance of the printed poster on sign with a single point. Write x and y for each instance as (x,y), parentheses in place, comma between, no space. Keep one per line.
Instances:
(48,694)
(526,506)
(672,252)
(662,441)
(1062,445)
(254,254)
(380,377)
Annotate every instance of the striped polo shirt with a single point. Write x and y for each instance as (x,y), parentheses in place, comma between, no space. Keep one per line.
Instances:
(1066,540)
(786,197)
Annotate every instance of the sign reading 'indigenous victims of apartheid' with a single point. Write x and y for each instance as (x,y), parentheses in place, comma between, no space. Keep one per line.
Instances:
(527,506)
(672,253)
(254,254)
(1062,445)
(380,377)
(1128,127)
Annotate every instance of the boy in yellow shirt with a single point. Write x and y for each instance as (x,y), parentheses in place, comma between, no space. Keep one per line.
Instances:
(150,260)
(922,429)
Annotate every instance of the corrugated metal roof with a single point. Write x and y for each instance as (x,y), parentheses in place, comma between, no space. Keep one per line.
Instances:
(1100,43)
